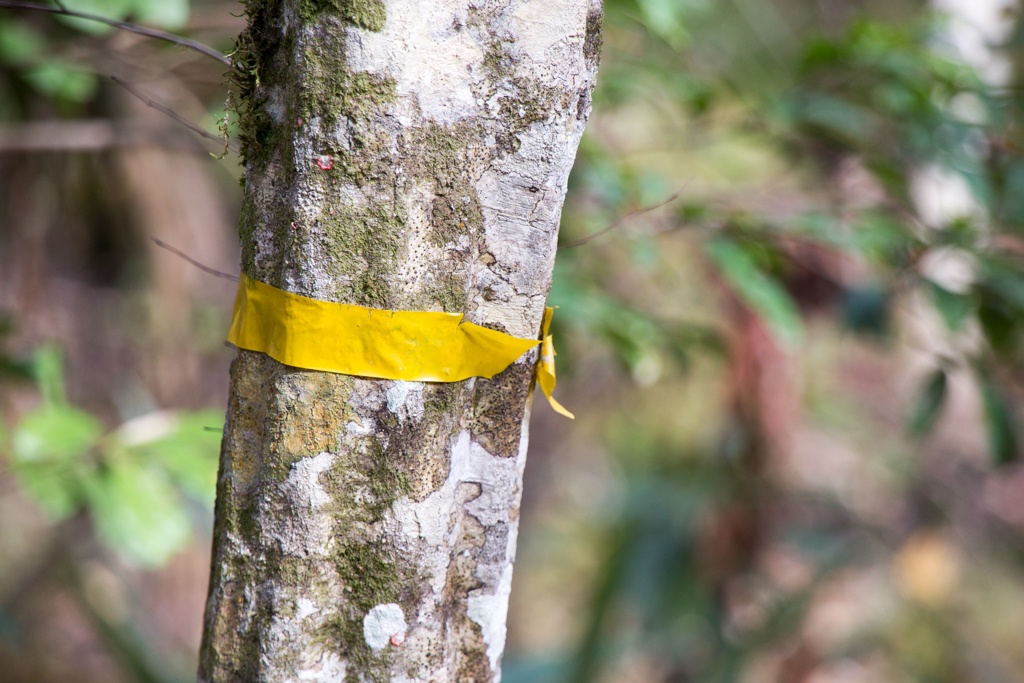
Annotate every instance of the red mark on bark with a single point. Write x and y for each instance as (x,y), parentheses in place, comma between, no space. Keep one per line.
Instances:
(398,639)
(325,162)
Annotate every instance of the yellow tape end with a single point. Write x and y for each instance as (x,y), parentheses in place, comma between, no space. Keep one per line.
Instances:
(558,407)
(546,367)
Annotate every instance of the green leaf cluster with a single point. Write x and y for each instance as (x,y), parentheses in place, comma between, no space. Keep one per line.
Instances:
(142,484)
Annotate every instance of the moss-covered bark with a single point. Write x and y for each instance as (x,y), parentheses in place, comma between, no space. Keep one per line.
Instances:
(407,156)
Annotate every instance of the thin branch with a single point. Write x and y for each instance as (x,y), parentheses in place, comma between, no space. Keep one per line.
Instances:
(201,48)
(622,219)
(203,267)
(195,128)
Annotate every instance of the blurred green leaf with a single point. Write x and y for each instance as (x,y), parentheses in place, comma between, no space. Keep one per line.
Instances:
(762,293)
(47,366)
(111,9)
(1000,292)
(53,488)
(883,239)
(48,446)
(998,324)
(1013,192)
(62,81)
(1005,281)
(137,511)
(665,19)
(189,453)
(168,14)
(954,308)
(54,433)
(19,43)
(839,119)
(1002,435)
(929,403)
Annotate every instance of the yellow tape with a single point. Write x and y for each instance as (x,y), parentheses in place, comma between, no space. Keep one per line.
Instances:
(417,346)
(546,366)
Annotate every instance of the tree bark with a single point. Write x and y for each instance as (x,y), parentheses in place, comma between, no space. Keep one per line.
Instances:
(408,155)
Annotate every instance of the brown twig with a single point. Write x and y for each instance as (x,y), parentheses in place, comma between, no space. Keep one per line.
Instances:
(195,128)
(201,48)
(622,219)
(201,266)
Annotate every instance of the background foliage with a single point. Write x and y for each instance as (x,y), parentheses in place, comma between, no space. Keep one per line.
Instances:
(792,301)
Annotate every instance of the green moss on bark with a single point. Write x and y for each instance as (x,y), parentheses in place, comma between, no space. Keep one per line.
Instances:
(361,245)
(594,37)
(260,53)
(363,488)
(368,14)
(329,90)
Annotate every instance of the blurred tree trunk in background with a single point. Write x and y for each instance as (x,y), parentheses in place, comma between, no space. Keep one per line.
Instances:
(412,156)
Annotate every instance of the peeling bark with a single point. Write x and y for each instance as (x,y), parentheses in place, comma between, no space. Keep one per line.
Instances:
(414,156)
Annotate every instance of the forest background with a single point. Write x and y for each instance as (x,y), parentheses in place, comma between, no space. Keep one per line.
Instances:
(791,291)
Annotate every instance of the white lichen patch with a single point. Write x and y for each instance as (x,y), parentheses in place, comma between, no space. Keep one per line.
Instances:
(405,400)
(305,607)
(441,84)
(490,611)
(360,428)
(431,519)
(539,36)
(304,480)
(483,487)
(308,532)
(384,625)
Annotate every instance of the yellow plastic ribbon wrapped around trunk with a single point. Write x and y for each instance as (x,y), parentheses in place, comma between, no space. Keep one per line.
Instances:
(417,346)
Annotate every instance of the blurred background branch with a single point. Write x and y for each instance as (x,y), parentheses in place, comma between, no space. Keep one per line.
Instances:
(156,34)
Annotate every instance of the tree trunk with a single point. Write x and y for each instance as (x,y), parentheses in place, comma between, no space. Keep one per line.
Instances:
(407,155)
